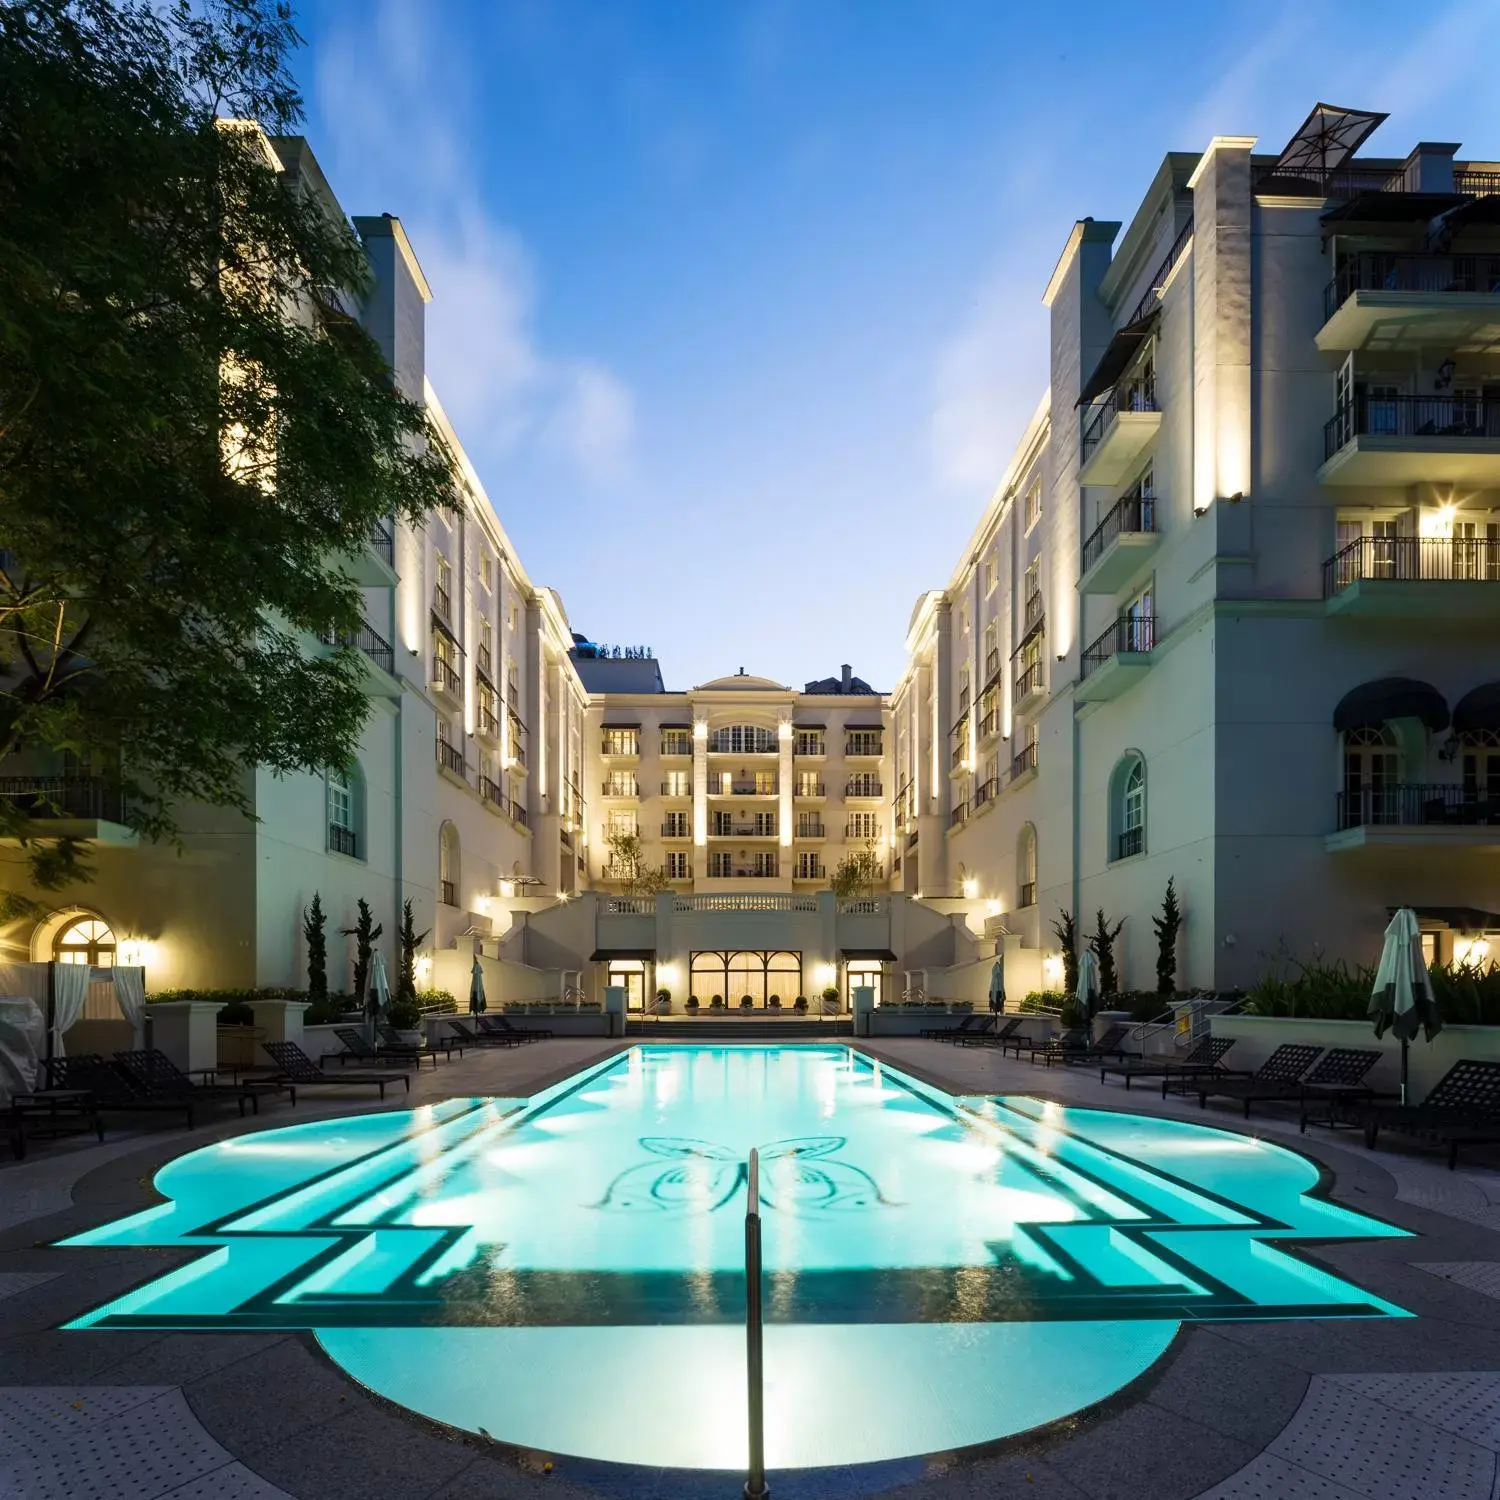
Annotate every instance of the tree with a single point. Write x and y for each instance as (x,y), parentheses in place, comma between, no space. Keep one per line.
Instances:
(1102,942)
(1067,936)
(193,426)
(365,932)
(1167,926)
(627,864)
(314,921)
(857,874)
(411,940)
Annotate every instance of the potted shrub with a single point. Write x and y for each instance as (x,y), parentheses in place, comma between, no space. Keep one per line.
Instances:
(746,1003)
(800,1004)
(405,1017)
(663,1002)
(774,1003)
(831,1001)
(717,1003)
(692,1004)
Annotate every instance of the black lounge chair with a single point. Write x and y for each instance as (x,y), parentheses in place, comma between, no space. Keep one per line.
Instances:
(293,1066)
(1111,1043)
(395,1043)
(1463,1109)
(1339,1076)
(469,1038)
(1278,1077)
(1202,1059)
(153,1075)
(112,1090)
(984,1037)
(969,1026)
(501,1026)
(360,1050)
(1074,1039)
(47,1112)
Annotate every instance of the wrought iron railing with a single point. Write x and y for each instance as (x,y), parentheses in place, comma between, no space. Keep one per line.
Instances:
(1023,761)
(1030,681)
(809,789)
(863,786)
(1026,896)
(959,815)
(1480,184)
(1129,396)
(1135,513)
(1413,559)
(677,789)
(448,892)
(986,791)
(450,757)
(1371,271)
(64,797)
(445,675)
(1416,805)
(1129,841)
(621,786)
(1411,417)
(862,744)
(442,605)
(382,542)
(1129,634)
(374,646)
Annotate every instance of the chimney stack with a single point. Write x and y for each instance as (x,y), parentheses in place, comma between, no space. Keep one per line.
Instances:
(845,670)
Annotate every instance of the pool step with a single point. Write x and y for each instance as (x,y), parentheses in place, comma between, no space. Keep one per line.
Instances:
(744,1031)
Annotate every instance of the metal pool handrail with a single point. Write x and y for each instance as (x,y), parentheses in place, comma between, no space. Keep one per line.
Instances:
(755,1483)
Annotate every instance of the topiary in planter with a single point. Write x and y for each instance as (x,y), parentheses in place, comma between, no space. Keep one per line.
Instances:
(717,1003)
(774,1003)
(746,1003)
(800,1003)
(692,1002)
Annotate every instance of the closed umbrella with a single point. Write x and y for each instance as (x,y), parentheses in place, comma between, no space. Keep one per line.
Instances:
(1088,983)
(997,984)
(379,999)
(1402,1000)
(476,990)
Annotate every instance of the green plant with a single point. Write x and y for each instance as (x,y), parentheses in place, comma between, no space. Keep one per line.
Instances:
(627,864)
(800,1003)
(831,993)
(717,1000)
(328,1009)
(411,940)
(857,874)
(437,1002)
(314,925)
(1102,945)
(365,932)
(746,1003)
(664,995)
(1044,1000)
(1167,926)
(404,1014)
(1066,929)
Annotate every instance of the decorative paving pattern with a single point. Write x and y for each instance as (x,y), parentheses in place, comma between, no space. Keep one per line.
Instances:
(1482,1276)
(13,1283)
(1457,1194)
(126,1442)
(1381,1437)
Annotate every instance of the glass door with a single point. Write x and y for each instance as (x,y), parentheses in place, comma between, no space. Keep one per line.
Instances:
(631,977)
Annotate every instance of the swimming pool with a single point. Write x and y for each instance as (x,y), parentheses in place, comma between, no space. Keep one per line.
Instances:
(565,1272)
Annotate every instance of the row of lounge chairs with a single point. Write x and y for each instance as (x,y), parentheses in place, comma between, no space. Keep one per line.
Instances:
(1328,1086)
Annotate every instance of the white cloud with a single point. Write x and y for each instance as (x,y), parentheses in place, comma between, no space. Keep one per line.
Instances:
(396,111)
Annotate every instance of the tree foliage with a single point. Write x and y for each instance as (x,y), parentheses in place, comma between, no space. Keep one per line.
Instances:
(411,940)
(365,932)
(1167,926)
(628,864)
(314,930)
(1066,928)
(193,425)
(1102,943)
(858,873)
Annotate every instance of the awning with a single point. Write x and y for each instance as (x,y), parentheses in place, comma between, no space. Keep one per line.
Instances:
(1391,698)
(604,955)
(1389,208)
(674,726)
(807,724)
(1478,709)
(621,724)
(879,955)
(1122,349)
(876,727)
(1459,918)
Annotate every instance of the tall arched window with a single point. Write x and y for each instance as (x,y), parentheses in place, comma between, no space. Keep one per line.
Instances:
(448,873)
(1127,807)
(1026,867)
(344,798)
(1481,751)
(742,739)
(1372,774)
(85,940)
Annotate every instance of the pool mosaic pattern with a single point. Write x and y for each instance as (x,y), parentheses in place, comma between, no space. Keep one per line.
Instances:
(961,1269)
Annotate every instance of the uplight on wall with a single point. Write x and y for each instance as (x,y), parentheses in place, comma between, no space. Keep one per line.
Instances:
(1052,967)
(970,888)
(993,907)
(507,888)
(423,968)
(137,953)
(1470,950)
(1437,522)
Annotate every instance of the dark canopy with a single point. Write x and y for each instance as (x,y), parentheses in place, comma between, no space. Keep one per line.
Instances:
(1391,698)
(1478,709)
(1117,356)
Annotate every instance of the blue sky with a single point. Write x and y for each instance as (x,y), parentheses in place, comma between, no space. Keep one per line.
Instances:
(737,302)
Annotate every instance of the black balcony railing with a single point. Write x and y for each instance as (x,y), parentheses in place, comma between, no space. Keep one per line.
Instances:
(675,828)
(1480,184)
(1032,613)
(383,542)
(342,840)
(988,724)
(911,839)
(1129,395)
(517,814)
(677,789)
(863,786)
(445,675)
(862,744)
(960,743)
(810,830)
(744,789)
(1135,513)
(1347,181)
(1026,896)
(991,662)
(1023,761)
(1373,272)
(1413,559)
(959,816)
(1029,682)
(488,724)
(621,786)
(1415,805)
(727,830)
(489,789)
(810,789)
(1129,841)
(63,797)
(450,757)
(855,829)
(374,646)
(441,604)
(448,893)
(1411,417)
(1129,634)
(986,791)
(484,665)
(517,745)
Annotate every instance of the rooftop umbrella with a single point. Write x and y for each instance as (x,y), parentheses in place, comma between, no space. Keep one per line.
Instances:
(379,999)
(1088,983)
(1402,1000)
(477,1003)
(997,984)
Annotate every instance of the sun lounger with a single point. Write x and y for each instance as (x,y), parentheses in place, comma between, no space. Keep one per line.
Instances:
(1073,1039)
(1463,1109)
(356,1047)
(45,1113)
(295,1066)
(984,1037)
(391,1039)
(153,1075)
(1204,1057)
(969,1026)
(501,1026)
(469,1038)
(1278,1077)
(111,1089)
(1111,1043)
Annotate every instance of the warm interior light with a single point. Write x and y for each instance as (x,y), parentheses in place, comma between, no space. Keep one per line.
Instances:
(1470,950)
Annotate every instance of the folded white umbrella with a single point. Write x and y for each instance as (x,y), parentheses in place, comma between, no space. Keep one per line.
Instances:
(997,984)
(1401,1000)
(477,1001)
(1088,983)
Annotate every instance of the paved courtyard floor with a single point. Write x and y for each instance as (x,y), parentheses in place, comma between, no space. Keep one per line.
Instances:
(1387,1409)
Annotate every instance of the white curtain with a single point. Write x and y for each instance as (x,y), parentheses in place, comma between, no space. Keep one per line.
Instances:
(70,989)
(130,995)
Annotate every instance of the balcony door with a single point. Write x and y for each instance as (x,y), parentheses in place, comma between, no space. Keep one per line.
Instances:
(1482,768)
(1372,771)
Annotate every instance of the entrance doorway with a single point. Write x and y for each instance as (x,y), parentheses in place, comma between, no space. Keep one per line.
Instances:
(630,975)
(864,973)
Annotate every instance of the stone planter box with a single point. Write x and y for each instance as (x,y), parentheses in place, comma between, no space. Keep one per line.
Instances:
(1256,1037)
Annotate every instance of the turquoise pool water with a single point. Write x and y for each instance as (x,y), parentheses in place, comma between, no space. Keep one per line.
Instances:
(566,1272)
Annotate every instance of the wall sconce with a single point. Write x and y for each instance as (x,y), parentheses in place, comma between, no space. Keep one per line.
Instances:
(136,953)
(507,888)
(423,967)
(970,888)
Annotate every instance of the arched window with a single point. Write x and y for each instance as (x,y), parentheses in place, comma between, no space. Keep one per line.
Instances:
(1026,867)
(742,739)
(85,940)
(1372,776)
(1481,751)
(1127,807)
(448,865)
(344,799)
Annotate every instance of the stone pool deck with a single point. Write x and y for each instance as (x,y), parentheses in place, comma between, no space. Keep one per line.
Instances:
(1393,1409)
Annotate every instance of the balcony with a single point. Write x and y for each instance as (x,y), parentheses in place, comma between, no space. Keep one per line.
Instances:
(450,758)
(855,828)
(743,789)
(989,725)
(1030,688)
(81,807)
(376,657)
(809,791)
(620,786)
(1415,577)
(672,746)
(817,871)
(446,682)
(1118,431)
(622,747)
(1031,615)
(858,787)
(811,830)
(486,723)
(741,872)
(442,605)
(991,664)
(986,792)
(490,791)
(811,749)
(1387,301)
(741,831)
(677,788)
(960,753)
(1391,441)
(862,747)
(343,840)
(1413,815)
(1115,659)
(1023,763)
(372,566)
(1119,544)
(959,816)
(676,830)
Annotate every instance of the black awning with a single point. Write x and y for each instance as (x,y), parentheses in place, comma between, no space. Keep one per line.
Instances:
(621,724)
(875,728)
(1459,918)
(604,955)
(1121,350)
(881,955)
(1478,709)
(807,724)
(674,726)
(1388,208)
(1391,698)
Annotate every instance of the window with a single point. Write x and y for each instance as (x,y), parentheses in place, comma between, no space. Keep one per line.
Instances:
(1031,582)
(862,825)
(485,663)
(864,785)
(85,940)
(765,783)
(767,865)
(622,741)
(811,742)
(862,742)
(448,865)
(991,572)
(765,825)
(676,742)
(1372,776)
(677,865)
(622,822)
(808,784)
(1481,752)
(1128,807)
(487,570)
(722,824)
(1033,512)
(809,825)
(677,784)
(810,866)
(1138,622)
(1476,550)
(621,784)
(721,865)
(1026,867)
(442,587)
(676,826)
(742,739)
(991,648)
(963,618)
(344,797)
